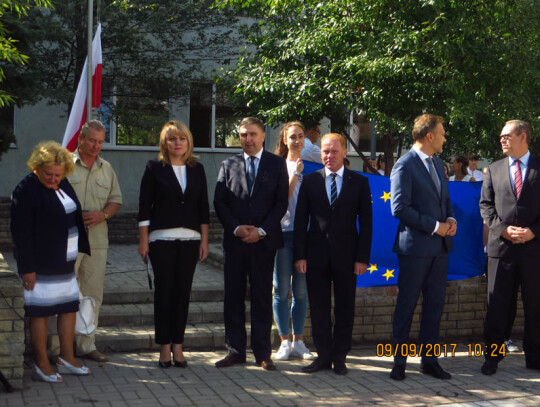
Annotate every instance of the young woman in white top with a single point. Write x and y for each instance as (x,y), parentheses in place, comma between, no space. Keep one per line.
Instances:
(289,146)
(458,165)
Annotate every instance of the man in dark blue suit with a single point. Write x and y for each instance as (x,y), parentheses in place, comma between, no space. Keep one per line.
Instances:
(421,202)
(251,198)
(331,250)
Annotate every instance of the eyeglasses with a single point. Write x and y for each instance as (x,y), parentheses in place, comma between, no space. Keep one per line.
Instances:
(507,137)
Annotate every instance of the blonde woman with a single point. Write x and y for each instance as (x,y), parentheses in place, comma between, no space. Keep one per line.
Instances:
(48,232)
(173,232)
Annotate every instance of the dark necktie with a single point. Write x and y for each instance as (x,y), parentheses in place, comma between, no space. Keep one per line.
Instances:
(251,173)
(518,181)
(433,174)
(333,189)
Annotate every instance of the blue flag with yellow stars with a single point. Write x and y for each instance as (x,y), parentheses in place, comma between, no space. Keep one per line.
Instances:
(465,261)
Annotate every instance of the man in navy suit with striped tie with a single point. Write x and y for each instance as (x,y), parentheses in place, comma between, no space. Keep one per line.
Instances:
(510,206)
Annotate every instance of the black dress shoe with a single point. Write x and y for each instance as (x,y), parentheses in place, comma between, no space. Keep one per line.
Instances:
(267,364)
(231,359)
(435,370)
(165,365)
(340,368)
(532,365)
(398,372)
(317,365)
(489,367)
(180,364)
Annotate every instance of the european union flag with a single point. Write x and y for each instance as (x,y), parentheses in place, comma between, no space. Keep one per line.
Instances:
(465,261)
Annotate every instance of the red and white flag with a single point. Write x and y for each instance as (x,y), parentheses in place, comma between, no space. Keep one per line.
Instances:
(77,117)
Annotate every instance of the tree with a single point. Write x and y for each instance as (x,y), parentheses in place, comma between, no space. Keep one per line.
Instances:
(10,55)
(152,50)
(475,62)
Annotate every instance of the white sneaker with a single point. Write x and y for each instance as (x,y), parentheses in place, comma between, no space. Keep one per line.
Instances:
(510,346)
(299,349)
(284,350)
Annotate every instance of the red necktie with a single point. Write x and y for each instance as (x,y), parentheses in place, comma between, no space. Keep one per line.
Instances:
(518,182)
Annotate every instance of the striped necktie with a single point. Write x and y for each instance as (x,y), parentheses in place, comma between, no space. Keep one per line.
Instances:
(518,181)
(333,189)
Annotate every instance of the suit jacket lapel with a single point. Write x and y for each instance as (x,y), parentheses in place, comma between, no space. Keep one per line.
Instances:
(242,176)
(504,174)
(344,186)
(261,174)
(322,180)
(423,170)
(171,179)
(532,172)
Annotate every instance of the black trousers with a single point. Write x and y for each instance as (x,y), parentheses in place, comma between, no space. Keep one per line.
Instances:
(174,265)
(426,275)
(507,274)
(332,344)
(256,262)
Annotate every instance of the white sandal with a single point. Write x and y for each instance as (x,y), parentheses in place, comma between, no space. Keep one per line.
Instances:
(39,375)
(66,368)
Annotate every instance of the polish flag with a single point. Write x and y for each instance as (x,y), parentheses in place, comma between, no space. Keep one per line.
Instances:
(77,117)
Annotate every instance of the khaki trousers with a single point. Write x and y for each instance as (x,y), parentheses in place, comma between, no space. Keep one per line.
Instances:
(90,271)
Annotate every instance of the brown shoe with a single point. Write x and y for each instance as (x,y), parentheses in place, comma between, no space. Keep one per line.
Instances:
(267,364)
(231,359)
(97,356)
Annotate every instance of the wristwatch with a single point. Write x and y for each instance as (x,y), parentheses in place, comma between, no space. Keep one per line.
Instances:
(106,214)
(296,173)
(261,233)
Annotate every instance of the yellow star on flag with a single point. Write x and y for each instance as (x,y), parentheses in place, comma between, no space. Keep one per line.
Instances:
(372,268)
(389,274)
(386,196)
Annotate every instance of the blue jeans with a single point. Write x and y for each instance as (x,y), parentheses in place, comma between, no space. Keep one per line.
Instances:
(283,272)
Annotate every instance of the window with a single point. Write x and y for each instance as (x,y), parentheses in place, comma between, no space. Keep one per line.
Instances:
(8,122)
(212,118)
(132,119)
(360,131)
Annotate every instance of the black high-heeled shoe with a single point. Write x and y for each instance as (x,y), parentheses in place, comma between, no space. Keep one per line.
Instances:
(180,364)
(165,365)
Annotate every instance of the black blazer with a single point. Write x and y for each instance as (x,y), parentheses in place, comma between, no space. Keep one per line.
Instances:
(500,208)
(324,235)
(264,208)
(162,201)
(39,228)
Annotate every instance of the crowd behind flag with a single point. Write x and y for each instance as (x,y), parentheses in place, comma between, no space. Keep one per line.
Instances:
(77,117)
(465,261)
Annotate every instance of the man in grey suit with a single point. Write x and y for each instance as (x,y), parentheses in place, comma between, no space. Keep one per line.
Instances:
(251,198)
(421,202)
(510,206)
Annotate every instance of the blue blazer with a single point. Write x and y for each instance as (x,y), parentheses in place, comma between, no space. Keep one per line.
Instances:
(39,228)
(418,206)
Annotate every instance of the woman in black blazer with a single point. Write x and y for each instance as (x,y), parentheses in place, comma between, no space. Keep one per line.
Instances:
(173,232)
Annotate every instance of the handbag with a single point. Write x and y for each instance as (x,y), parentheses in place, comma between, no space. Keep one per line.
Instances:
(85,322)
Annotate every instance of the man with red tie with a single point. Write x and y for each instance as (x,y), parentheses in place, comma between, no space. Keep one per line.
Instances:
(510,206)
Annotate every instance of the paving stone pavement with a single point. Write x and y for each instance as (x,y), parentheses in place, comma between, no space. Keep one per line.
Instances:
(131,379)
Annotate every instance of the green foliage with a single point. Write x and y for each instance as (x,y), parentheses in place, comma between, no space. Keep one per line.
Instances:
(9,54)
(151,51)
(474,62)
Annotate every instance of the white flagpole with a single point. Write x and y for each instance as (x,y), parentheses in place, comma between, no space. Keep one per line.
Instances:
(90,71)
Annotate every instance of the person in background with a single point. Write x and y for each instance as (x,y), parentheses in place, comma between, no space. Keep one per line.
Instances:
(458,165)
(48,231)
(311,151)
(173,231)
(471,167)
(289,146)
(98,191)
(381,164)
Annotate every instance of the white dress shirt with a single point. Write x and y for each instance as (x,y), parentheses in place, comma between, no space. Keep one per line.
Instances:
(311,152)
(328,181)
